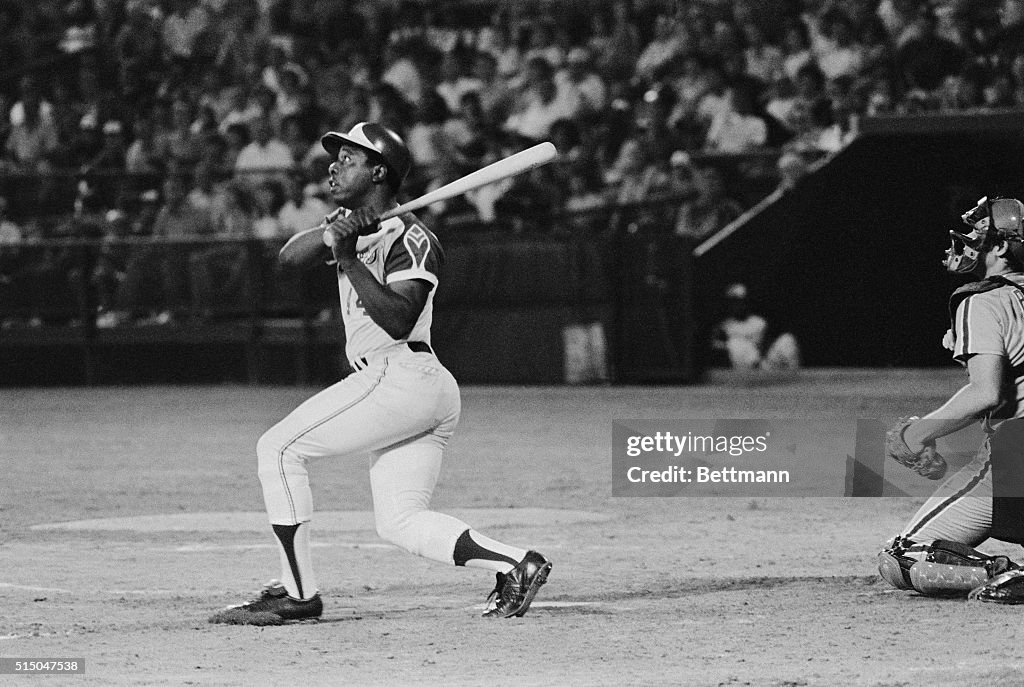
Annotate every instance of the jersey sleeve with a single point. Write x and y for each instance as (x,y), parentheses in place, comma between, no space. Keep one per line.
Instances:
(416,255)
(978,328)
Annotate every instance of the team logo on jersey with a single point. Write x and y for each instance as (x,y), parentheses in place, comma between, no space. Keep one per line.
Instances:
(417,243)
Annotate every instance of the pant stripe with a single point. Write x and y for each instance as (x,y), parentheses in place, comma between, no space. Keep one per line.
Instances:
(953,498)
(307,430)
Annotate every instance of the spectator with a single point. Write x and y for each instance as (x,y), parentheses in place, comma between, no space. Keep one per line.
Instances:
(796,45)
(792,168)
(182,29)
(925,60)
(717,97)
(208,192)
(268,199)
(540,103)
(138,51)
(711,209)
(265,157)
(470,133)
(110,269)
(504,46)
(427,139)
(107,168)
(166,263)
(585,198)
(540,42)
(494,93)
(845,117)
(294,98)
(145,155)
(404,73)
(737,129)
(302,209)
(184,147)
(619,49)
(454,82)
(741,338)
(666,44)
(764,60)
(1008,42)
(579,81)
(958,92)
(219,273)
(222,151)
(837,53)
(293,136)
(32,142)
(240,109)
(30,91)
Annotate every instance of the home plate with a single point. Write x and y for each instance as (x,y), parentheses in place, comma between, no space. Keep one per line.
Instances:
(325,521)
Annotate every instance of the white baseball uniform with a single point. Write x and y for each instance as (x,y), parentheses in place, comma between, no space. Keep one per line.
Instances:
(990,322)
(400,405)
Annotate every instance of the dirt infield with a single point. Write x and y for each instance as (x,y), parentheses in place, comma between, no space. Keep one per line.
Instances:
(127,515)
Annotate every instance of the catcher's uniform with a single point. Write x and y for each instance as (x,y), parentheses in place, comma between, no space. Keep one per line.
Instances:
(400,405)
(987,318)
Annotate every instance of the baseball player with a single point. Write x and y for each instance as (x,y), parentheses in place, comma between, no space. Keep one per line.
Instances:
(934,553)
(400,405)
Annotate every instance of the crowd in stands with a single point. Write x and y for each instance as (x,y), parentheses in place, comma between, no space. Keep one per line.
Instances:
(177,117)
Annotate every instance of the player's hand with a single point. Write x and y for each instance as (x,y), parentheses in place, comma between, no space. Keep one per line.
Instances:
(948,340)
(344,232)
(905,446)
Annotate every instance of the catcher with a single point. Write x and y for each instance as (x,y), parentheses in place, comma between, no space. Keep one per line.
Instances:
(934,554)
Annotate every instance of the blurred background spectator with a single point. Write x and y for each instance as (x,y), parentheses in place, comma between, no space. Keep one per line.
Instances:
(128,94)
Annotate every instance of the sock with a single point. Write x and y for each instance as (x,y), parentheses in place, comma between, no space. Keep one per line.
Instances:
(477,551)
(296,561)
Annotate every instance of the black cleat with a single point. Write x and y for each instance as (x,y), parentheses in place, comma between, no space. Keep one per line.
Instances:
(272,607)
(515,590)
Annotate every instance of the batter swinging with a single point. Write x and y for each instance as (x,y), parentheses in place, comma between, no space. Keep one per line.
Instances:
(400,405)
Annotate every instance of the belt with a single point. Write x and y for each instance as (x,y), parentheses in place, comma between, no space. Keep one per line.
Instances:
(414,346)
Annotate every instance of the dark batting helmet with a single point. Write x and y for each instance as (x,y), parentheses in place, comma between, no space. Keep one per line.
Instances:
(377,139)
(998,219)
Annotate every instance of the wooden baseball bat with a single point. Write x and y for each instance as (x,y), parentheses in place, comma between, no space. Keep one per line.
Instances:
(513,165)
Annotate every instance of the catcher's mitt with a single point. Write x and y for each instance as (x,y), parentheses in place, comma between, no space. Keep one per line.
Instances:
(927,463)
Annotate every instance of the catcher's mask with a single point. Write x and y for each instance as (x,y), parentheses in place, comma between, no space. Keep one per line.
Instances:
(991,221)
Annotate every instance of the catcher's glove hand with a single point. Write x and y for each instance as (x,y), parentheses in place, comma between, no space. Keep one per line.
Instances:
(927,463)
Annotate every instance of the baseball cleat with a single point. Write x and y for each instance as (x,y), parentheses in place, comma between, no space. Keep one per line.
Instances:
(515,590)
(272,607)
(1004,588)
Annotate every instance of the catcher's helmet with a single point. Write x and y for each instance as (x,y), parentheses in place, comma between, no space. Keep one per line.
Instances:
(999,219)
(377,139)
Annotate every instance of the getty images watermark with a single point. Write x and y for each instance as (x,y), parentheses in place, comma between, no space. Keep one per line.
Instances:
(761,457)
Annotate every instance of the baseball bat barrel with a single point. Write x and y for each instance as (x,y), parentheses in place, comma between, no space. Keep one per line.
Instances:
(511,166)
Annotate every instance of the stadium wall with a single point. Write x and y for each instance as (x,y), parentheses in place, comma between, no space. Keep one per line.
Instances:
(850,259)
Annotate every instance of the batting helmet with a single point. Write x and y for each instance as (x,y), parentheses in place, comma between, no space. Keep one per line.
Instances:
(999,219)
(377,139)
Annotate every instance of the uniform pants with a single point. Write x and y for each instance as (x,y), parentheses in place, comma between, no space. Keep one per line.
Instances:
(961,509)
(401,408)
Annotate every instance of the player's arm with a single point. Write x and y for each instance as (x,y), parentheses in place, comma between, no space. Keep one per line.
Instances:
(977,343)
(394,307)
(982,394)
(306,248)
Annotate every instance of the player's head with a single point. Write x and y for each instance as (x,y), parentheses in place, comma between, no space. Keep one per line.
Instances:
(384,146)
(993,223)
